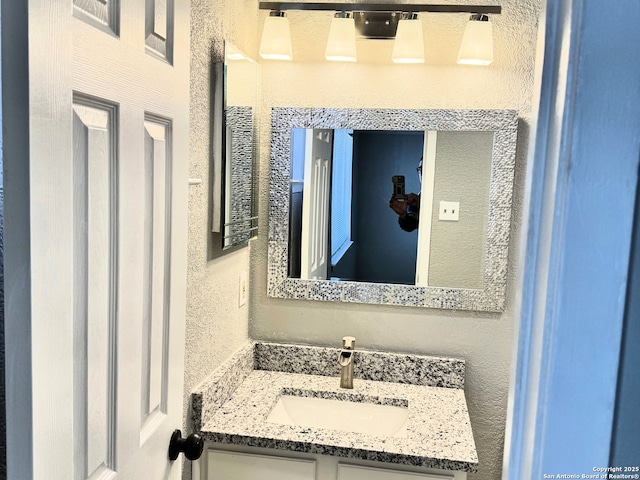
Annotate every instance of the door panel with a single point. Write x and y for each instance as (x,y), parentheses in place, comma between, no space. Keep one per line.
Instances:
(159,24)
(155,293)
(95,321)
(102,13)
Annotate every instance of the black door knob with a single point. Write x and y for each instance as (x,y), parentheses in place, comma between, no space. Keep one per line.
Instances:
(191,446)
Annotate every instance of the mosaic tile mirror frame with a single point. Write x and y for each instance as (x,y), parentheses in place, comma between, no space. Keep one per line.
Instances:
(489,298)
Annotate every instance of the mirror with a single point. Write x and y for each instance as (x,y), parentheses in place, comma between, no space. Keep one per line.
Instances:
(365,239)
(236,98)
(468,161)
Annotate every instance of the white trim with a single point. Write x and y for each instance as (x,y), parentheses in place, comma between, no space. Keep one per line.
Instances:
(428,181)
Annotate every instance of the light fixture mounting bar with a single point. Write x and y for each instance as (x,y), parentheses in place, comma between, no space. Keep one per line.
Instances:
(382,7)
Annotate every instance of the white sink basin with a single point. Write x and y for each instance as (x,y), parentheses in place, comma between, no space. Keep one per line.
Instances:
(357,417)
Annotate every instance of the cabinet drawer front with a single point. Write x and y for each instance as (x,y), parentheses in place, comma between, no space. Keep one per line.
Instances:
(244,466)
(353,472)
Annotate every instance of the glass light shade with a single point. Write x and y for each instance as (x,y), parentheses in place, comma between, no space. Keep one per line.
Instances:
(232,53)
(477,44)
(341,45)
(409,43)
(276,39)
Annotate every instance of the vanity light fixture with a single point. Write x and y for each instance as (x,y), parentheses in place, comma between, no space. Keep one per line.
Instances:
(276,37)
(409,44)
(477,42)
(341,45)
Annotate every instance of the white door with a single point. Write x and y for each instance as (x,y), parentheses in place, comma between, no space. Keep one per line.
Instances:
(316,255)
(101,360)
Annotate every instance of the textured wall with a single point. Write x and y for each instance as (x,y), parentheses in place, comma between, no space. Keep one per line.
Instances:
(484,340)
(216,326)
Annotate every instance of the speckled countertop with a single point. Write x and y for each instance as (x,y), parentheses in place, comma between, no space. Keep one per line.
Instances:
(438,431)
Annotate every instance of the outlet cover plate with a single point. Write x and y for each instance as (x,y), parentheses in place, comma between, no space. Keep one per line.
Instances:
(243,289)
(449,211)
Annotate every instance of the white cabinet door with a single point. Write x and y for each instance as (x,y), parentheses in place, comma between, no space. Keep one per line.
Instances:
(244,466)
(354,472)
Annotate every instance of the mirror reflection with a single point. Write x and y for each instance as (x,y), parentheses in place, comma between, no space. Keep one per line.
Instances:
(238,189)
(398,207)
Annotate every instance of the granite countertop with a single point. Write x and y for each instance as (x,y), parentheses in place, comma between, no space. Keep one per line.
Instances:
(438,430)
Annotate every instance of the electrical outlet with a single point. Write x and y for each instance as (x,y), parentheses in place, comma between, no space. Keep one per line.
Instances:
(243,289)
(449,211)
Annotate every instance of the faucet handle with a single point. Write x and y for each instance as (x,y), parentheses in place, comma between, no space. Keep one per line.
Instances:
(349,343)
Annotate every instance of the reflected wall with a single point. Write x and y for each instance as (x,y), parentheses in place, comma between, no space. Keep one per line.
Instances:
(385,252)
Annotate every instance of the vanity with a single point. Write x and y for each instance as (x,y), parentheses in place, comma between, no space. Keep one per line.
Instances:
(278,411)
(282,411)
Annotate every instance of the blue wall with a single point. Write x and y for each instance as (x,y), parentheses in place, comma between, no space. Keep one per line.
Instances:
(376,234)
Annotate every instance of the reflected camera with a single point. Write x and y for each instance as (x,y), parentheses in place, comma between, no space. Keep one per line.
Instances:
(398,187)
